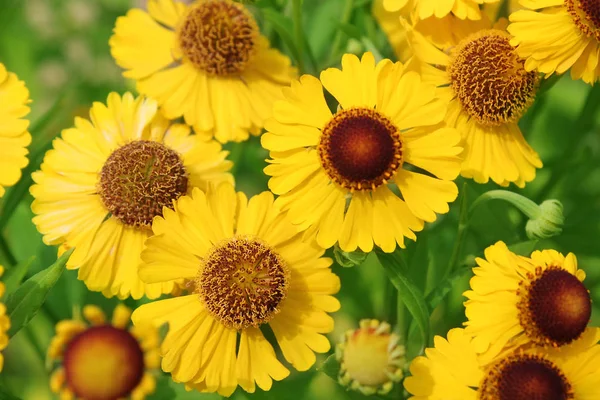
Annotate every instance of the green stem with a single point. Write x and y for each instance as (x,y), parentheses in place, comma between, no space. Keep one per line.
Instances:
(337,41)
(503,10)
(527,206)
(299,32)
(6,253)
(463,225)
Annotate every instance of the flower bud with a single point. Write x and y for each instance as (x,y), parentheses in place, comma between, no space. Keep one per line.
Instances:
(348,258)
(549,221)
(371,358)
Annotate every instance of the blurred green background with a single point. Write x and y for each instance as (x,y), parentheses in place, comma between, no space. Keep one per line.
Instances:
(60,48)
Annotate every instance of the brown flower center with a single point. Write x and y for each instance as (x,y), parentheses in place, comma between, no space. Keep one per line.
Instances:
(243,282)
(360,149)
(103,363)
(525,377)
(139,179)
(555,307)
(219,37)
(586,15)
(490,79)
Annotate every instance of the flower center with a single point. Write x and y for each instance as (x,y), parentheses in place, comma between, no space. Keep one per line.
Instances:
(490,79)
(219,37)
(525,377)
(103,363)
(555,307)
(243,282)
(360,149)
(586,15)
(139,179)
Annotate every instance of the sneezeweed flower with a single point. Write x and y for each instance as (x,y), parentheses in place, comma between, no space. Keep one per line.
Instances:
(371,358)
(517,301)
(488,89)
(573,41)
(206,62)
(248,267)
(452,371)
(14,137)
(104,360)
(108,177)
(4,322)
(386,119)
(463,9)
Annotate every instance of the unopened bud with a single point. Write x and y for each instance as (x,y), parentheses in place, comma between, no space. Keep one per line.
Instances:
(548,223)
(348,258)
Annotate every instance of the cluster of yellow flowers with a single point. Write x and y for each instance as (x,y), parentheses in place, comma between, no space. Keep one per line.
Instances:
(360,156)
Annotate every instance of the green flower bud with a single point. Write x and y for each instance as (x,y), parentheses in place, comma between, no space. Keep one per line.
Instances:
(348,259)
(549,221)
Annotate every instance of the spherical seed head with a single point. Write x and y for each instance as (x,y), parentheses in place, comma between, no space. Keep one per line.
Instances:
(219,37)
(555,307)
(490,79)
(525,377)
(103,363)
(243,282)
(139,179)
(586,15)
(360,149)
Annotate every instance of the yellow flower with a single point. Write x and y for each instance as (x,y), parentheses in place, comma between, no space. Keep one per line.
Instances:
(104,360)
(206,62)
(371,358)
(105,180)
(555,35)
(516,301)
(14,137)
(489,90)
(247,266)
(451,371)
(4,322)
(463,9)
(387,118)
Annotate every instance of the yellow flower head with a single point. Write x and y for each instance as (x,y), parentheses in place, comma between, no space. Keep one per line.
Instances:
(339,174)
(516,301)
(452,371)
(104,360)
(206,62)
(371,358)
(555,35)
(247,266)
(108,177)
(4,322)
(14,137)
(463,9)
(488,89)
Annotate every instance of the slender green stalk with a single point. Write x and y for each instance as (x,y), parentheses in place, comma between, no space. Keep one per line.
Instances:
(463,225)
(6,253)
(299,32)
(527,206)
(337,41)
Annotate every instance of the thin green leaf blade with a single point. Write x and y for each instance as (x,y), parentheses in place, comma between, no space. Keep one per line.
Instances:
(282,26)
(24,303)
(408,292)
(13,277)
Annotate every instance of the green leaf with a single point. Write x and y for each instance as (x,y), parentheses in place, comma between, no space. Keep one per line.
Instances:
(437,295)
(524,248)
(24,303)
(5,395)
(331,367)
(410,295)
(282,26)
(348,259)
(13,277)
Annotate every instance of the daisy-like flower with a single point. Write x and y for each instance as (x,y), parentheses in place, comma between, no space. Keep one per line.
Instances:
(452,371)
(4,322)
(516,301)
(463,9)
(371,358)
(14,137)
(108,177)
(206,62)
(488,89)
(555,35)
(340,174)
(248,267)
(104,360)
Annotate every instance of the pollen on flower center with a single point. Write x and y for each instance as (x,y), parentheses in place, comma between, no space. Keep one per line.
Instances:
(490,79)
(586,15)
(103,363)
(555,307)
(219,37)
(360,149)
(139,179)
(525,377)
(243,282)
